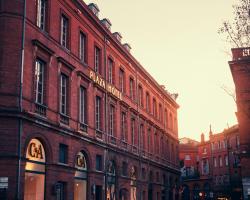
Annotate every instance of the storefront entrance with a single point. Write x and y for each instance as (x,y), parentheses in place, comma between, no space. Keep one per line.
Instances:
(34,171)
(80,182)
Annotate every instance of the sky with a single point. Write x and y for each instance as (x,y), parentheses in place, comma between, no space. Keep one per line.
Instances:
(178,44)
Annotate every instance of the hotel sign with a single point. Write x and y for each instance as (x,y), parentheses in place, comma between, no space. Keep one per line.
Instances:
(107,86)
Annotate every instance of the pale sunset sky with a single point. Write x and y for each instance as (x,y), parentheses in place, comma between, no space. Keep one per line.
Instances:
(177,43)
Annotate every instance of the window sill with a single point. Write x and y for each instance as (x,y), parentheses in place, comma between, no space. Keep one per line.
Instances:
(63,164)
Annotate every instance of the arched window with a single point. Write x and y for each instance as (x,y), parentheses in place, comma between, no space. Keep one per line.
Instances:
(34,170)
(111,179)
(133,178)
(80,183)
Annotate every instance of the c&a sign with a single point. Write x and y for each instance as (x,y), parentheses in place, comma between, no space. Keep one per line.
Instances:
(35,151)
(81,161)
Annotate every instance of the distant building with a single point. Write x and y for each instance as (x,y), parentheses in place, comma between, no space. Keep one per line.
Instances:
(240,68)
(210,169)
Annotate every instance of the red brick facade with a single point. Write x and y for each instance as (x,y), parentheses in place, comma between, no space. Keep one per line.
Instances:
(46,106)
(211,169)
(240,68)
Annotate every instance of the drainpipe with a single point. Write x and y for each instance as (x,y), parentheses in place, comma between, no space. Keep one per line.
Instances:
(20,124)
(139,137)
(106,119)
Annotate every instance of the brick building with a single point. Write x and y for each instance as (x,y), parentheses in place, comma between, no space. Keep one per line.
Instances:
(210,169)
(80,117)
(240,69)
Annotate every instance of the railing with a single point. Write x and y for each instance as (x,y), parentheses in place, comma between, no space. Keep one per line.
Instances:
(40,109)
(84,127)
(64,119)
(194,175)
(99,134)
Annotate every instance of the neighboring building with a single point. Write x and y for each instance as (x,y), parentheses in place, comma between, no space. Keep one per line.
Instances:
(80,117)
(213,165)
(240,68)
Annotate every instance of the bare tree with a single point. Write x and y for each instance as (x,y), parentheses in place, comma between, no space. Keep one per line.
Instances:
(237,31)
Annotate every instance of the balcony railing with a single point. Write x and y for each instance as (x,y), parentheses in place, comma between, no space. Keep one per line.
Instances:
(84,127)
(64,119)
(99,134)
(40,109)
(194,175)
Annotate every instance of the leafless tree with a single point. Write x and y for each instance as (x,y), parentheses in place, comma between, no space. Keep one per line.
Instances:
(237,31)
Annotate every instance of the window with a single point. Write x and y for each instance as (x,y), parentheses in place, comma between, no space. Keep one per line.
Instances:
(226,160)
(60,190)
(220,160)
(63,153)
(205,166)
(98,163)
(41,14)
(97,62)
(154,108)
(147,102)
(215,162)
(149,140)
(65,31)
(142,136)
(111,120)
(39,81)
(212,146)
(204,150)
(123,126)
(237,141)
(64,94)
(171,122)
(124,168)
(133,131)
(157,177)
(82,105)
(140,96)
(121,80)
(98,113)
(187,157)
(110,70)
(131,88)
(82,47)
(160,112)
(156,144)
(166,118)
(143,173)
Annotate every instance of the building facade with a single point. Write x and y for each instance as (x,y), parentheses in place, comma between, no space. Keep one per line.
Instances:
(80,117)
(240,69)
(211,169)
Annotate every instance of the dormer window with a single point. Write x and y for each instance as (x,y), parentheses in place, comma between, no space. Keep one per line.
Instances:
(127,47)
(94,8)
(117,36)
(106,23)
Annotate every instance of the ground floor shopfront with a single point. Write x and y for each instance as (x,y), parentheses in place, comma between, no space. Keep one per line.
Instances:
(56,164)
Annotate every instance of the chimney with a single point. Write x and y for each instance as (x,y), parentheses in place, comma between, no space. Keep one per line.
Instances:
(106,23)
(127,47)
(118,36)
(94,8)
(202,138)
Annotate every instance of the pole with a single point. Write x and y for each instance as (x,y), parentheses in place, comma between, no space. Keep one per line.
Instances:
(20,123)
